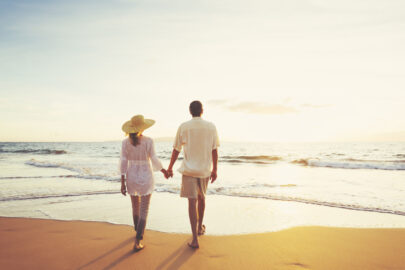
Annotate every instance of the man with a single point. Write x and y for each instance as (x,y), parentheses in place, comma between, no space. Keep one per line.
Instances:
(199,140)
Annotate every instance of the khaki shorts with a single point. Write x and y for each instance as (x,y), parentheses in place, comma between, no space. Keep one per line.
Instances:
(192,187)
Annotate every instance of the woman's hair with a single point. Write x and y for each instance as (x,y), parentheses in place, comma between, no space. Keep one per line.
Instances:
(134,139)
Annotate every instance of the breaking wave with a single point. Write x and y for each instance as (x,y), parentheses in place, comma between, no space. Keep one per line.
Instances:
(48,196)
(251,159)
(229,191)
(353,164)
(311,201)
(35,151)
(82,173)
(253,190)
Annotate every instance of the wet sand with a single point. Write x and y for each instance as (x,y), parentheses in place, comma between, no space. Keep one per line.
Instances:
(50,244)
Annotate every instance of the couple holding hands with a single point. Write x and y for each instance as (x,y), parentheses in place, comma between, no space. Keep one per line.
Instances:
(198,139)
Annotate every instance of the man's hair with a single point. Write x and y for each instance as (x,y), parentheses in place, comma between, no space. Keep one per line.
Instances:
(196,108)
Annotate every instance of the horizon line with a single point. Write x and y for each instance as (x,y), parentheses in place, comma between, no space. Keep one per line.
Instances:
(168,139)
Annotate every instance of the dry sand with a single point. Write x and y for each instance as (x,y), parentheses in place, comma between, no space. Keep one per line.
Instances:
(50,244)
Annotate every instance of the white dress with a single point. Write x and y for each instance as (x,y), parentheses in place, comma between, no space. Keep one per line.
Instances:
(136,165)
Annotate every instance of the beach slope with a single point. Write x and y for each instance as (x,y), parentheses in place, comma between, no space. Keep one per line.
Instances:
(50,244)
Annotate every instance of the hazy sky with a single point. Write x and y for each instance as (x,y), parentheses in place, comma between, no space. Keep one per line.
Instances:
(291,70)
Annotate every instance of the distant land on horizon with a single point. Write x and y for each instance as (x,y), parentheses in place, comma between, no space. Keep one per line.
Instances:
(386,137)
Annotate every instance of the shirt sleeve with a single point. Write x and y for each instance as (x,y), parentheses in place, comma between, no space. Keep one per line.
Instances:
(123,159)
(156,164)
(215,141)
(178,141)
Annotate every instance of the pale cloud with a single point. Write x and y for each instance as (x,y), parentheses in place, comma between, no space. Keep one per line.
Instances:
(261,108)
(85,62)
(314,106)
(217,102)
(253,107)
(287,100)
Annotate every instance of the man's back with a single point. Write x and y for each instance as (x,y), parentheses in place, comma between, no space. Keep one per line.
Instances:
(199,138)
(200,141)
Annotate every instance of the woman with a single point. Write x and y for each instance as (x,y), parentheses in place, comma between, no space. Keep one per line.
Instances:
(136,173)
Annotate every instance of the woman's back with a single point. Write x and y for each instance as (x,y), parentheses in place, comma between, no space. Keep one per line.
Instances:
(137,156)
(142,151)
(136,165)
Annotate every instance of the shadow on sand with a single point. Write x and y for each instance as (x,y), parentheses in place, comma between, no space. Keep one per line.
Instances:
(173,261)
(177,258)
(119,246)
(120,259)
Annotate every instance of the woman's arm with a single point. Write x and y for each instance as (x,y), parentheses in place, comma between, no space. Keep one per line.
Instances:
(123,187)
(123,167)
(156,164)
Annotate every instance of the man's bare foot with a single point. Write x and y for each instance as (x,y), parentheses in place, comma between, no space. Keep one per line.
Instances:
(194,244)
(201,230)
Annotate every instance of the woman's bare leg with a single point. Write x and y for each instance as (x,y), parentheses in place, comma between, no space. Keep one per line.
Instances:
(135,210)
(144,208)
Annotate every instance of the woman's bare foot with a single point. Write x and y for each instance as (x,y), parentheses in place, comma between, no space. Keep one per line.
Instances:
(138,245)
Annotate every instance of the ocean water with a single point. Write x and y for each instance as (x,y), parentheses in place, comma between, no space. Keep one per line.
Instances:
(365,177)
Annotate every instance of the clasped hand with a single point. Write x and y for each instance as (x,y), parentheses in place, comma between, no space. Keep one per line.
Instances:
(167,173)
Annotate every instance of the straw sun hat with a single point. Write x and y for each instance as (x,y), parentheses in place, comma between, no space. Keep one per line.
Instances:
(137,124)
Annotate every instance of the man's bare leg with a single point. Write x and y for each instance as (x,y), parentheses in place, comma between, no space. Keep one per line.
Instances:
(192,213)
(201,210)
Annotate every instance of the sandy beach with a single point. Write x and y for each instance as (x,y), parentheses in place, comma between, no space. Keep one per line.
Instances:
(291,108)
(50,244)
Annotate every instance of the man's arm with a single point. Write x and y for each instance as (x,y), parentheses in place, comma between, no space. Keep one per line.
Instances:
(214,165)
(175,154)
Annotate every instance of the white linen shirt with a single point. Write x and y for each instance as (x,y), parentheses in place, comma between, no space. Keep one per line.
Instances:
(135,164)
(198,138)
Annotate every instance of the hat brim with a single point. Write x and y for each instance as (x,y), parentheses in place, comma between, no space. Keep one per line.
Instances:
(128,128)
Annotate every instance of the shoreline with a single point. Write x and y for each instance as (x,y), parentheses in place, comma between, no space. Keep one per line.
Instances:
(206,234)
(51,244)
(224,215)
